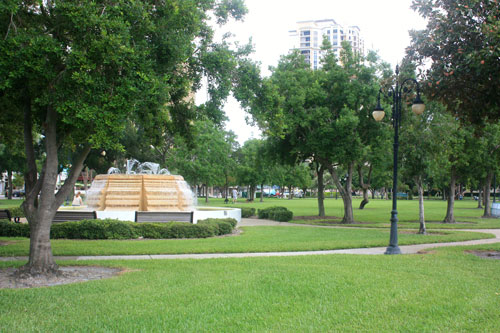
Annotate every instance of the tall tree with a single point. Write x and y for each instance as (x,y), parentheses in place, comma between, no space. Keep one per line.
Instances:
(461,41)
(320,116)
(207,159)
(76,72)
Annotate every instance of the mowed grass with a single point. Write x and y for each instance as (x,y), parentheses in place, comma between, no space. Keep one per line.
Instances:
(446,291)
(6,203)
(252,239)
(377,212)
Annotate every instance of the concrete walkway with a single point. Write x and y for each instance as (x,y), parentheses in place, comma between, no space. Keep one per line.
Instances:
(405,249)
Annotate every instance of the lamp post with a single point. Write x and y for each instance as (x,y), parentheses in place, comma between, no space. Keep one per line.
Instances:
(418,108)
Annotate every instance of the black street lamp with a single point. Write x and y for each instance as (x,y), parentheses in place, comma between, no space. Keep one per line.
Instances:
(418,108)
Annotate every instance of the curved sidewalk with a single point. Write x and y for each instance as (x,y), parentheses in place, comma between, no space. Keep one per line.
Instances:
(405,249)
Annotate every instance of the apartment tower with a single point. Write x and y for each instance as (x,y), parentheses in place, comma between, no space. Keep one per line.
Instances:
(308,38)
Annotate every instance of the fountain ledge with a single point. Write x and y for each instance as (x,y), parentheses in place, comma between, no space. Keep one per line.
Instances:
(198,213)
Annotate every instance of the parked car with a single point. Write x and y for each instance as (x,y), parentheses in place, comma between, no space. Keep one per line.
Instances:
(18,193)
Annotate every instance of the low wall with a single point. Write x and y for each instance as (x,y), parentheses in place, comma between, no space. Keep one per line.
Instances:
(495,209)
(198,214)
(217,213)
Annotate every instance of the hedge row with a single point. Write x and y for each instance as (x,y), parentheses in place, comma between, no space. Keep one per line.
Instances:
(247,211)
(275,213)
(115,229)
(16,212)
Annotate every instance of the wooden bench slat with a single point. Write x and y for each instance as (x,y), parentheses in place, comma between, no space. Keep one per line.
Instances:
(5,214)
(73,215)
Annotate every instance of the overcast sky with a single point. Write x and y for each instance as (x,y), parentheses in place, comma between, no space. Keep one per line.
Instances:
(384,25)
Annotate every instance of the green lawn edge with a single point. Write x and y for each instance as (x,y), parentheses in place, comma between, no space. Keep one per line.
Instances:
(251,240)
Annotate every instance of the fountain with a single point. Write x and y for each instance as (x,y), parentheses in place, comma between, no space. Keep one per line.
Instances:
(146,187)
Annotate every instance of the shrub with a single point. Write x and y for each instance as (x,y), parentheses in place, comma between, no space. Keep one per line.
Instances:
(275,213)
(94,229)
(10,229)
(247,211)
(281,215)
(221,226)
(149,230)
(114,229)
(17,212)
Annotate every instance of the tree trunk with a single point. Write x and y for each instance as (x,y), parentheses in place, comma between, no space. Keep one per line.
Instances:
(41,212)
(321,190)
(206,192)
(10,187)
(290,192)
(365,198)
(480,198)
(422,229)
(450,216)
(364,186)
(226,189)
(86,180)
(345,192)
(487,188)
(261,192)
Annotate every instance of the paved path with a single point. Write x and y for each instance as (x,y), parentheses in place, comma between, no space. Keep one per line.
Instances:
(405,249)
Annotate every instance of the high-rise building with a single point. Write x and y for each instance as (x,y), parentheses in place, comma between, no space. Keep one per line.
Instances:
(308,38)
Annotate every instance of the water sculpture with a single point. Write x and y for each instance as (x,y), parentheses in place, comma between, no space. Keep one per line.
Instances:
(143,187)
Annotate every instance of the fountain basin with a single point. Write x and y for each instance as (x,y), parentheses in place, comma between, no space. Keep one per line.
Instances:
(198,213)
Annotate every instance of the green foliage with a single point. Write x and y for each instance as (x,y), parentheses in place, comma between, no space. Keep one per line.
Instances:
(208,159)
(114,229)
(275,213)
(247,211)
(17,212)
(78,74)
(11,229)
(94,229)
(461,39)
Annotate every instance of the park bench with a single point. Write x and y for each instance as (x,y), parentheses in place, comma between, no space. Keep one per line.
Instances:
(73,215)
(164,217)
(5,214)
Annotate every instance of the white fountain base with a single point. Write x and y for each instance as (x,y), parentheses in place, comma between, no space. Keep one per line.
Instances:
(198,213)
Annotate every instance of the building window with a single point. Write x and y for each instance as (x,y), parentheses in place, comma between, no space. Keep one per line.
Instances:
(335,31)
(305,33)
(328,31)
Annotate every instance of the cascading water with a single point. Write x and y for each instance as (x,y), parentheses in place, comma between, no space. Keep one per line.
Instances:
(143,187)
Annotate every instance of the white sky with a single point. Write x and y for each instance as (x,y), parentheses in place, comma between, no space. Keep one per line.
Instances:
(384,25)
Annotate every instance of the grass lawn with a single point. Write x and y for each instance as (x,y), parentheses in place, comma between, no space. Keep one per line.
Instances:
(377,212)
(6,203)
(448,291)
(253,239)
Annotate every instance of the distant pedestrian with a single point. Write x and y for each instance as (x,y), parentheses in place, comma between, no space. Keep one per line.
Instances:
(235,195)
(77,200)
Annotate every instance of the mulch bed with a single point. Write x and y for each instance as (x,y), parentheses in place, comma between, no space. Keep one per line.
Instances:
(334,220)
(485,254)
(68,274)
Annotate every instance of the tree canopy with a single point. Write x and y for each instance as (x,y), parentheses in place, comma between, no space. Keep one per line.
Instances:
(462,44)
(78,72)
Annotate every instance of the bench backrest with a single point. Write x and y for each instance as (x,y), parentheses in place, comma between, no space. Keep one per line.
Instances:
(164,217)
(74,215)
(5,214)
